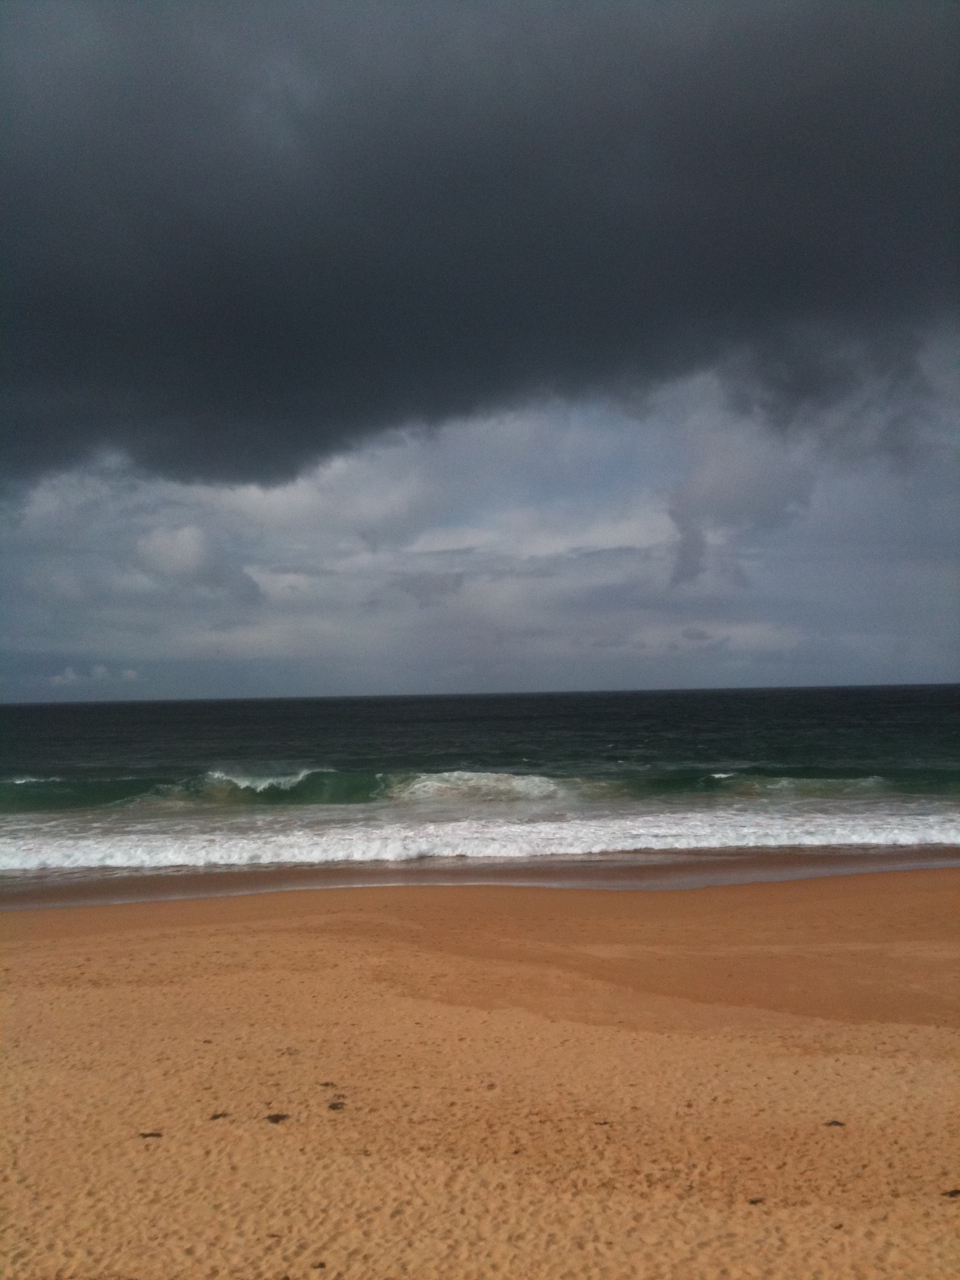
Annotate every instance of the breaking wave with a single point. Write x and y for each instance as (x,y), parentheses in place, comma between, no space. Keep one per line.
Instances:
(323,785)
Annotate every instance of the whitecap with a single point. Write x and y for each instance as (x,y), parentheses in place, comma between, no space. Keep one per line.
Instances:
(461,784)
(260,783)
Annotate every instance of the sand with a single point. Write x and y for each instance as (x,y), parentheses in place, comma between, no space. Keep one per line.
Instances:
(754,1080)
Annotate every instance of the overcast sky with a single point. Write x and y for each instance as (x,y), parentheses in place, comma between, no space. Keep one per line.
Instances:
(437,347)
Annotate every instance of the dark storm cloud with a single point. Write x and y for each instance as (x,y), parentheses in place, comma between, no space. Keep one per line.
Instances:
(242,235)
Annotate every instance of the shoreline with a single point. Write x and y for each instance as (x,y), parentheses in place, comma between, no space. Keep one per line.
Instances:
(646,869)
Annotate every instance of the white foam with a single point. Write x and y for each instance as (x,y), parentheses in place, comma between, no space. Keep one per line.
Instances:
(460,784)
(263,838)
(248,782)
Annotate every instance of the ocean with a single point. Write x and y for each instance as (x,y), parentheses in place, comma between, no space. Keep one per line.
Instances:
(681,786)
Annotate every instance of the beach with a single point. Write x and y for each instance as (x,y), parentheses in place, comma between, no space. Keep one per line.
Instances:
(465,1081)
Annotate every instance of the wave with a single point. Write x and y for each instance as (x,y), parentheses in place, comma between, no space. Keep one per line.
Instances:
(317,785)
(322,785)
(305,786)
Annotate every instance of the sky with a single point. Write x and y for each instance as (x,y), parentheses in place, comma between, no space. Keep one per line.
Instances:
(452,346)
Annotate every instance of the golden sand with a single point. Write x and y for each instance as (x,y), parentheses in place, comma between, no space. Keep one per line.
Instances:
(756,1080)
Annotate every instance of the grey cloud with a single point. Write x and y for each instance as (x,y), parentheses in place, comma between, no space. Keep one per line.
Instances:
(185,559)
(738,484)
(760,444)
(855,397)
(430,588)
(854,581)
(243,235)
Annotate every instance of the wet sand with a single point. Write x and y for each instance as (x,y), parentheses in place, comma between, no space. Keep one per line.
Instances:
(466,1081)
(637,869)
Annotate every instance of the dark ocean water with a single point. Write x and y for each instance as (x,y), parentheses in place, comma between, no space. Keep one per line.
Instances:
(190,784)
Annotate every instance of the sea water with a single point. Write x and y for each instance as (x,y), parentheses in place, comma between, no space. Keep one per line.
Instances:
(518,778)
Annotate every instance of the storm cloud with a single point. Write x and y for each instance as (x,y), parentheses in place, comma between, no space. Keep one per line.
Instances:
(241,237)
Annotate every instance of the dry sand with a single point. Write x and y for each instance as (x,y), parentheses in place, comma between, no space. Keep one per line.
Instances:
(757,1080)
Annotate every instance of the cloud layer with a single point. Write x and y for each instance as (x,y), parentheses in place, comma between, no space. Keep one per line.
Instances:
(561,548)
(244,236)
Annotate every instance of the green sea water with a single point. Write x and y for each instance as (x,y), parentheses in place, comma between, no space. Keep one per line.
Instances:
(527,775)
